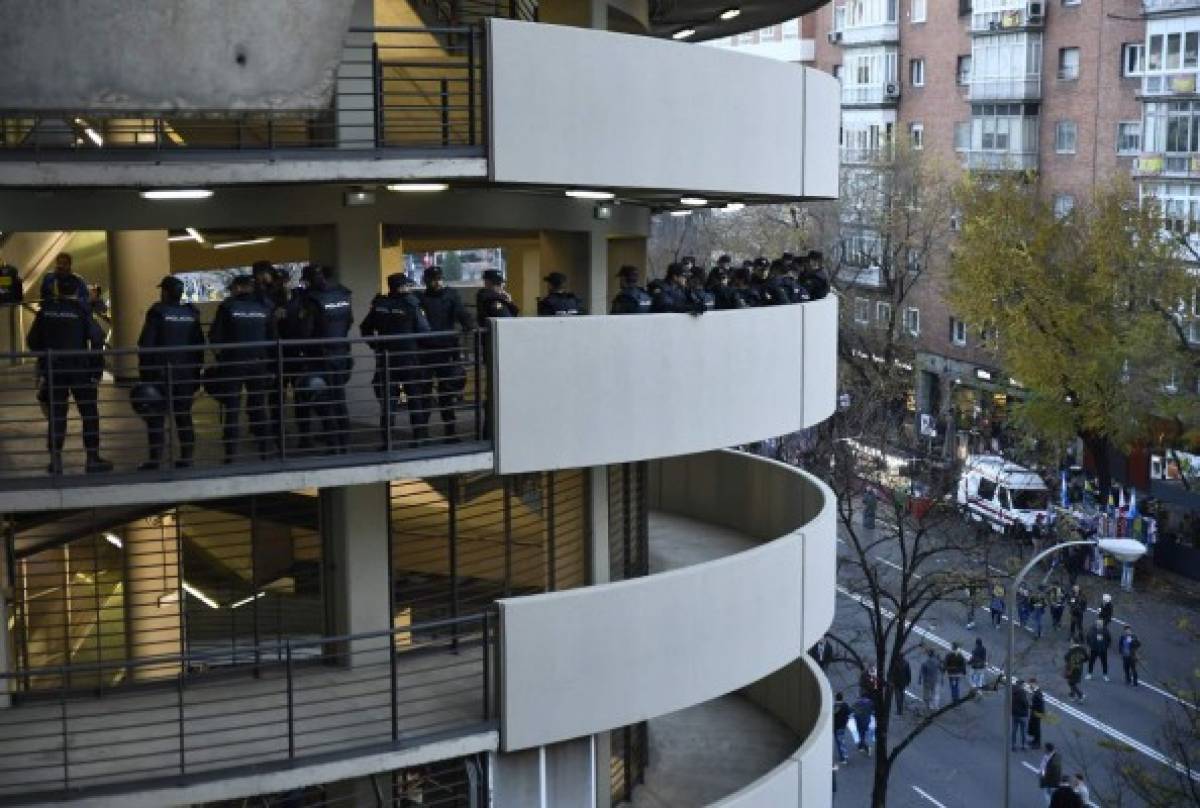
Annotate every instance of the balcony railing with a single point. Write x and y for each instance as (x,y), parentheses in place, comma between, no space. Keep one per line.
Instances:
(887,93)
(1169,84)
(1153,6)
(308,404)
(869,156)
(1167,165)
(1006,89)
(1013,19)
(192,715)
(978,160)
(396,88)
(869,34)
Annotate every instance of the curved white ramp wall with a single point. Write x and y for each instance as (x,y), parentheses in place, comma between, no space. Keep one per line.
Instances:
(658,385)
(572,106)
(588,660)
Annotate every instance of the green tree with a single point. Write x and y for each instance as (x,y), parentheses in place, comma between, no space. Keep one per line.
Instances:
(1084,310)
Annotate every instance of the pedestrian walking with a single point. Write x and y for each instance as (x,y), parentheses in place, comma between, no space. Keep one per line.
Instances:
(1098,641)
(1064,796)
(997,606)
(929,677)
(978,664)
(864,714)
(1106,609)
(1024,606)
(1037,605)
(1077,606)
(1020,714)
(1037,711)
(1128,646)
(1080,787)
(1057,597)
(841,720)
(1050,774)
(955,665)
(900,678)
(1073,668)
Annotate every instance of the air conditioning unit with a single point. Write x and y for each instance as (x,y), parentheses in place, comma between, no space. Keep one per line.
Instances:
(1035,12)
(891,90)
(835,37)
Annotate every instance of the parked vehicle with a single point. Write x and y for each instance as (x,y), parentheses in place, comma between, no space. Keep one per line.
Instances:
(1000,493)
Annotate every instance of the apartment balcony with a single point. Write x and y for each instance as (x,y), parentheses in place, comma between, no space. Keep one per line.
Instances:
(852,35)
(878,156)
(987,161)
(1028,88)
(1166,85)
(1031,15)
(1169,6)
(1171,166)
(871,95)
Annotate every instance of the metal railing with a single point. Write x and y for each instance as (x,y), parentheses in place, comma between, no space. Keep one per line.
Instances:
(1152,6)
(886,93)
(978,160)
(395,88)
(304,699)
(262,406)
(1006,89)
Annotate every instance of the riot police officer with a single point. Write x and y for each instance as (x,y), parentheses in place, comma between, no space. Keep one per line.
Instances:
(698,289)
(631,299)
(813,277)
(63,263)
(746,294)
(788,278)
(558,301)
(170,378)
(323,311)
(491,302)
(270,289)
(766,282)
(675,296)
(64,323)
(442,349)
(725,295)
(242,318)
(397,361)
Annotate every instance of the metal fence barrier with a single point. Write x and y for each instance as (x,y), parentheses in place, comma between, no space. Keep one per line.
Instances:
(195,715)
(263,406)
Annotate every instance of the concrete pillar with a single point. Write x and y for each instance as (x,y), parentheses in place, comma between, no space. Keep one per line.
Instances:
(153,594)
(525,274)
(596,295)
(602,755)
(354,521)
(560,774)
(354,103)
(138,259)
(6,595)
(598,525)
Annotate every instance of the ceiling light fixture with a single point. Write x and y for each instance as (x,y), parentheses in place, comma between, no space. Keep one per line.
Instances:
(92,134)
(200,596)
(683,33)
(735,206)
(239,603)
(418,187)
(178,193)
(729,14)
(694,201)
(583,193)
(681,213)
(195,234)
(246,243)
(174,239)
(114,540)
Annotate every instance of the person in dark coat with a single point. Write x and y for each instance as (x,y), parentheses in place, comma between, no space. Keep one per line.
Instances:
(1098,641)
(631,299)
(978,664)
(1065,796)
(1037,711)
(1020,714)
(841,721)
(1128,646)
(242,319)
(1106,609)
(559,301)
(1073,662)
(899,679)
(1050,771)
(1077,607)
(397,361)
(442,356)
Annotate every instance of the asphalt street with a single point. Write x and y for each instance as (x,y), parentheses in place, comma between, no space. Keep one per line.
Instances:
(958,761)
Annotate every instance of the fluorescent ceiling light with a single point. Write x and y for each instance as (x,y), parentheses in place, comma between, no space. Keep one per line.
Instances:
(681,213)
(246,243)
(200,596)
(114,540)
(173,239)
(178,193)
(734,206)
(240,603)
(694,201)
(195,234)
(583,193)
(418,187)
(92,134)
(683,33)
(729,14)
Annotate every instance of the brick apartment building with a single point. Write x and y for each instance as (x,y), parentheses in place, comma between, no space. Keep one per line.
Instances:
(1072,92)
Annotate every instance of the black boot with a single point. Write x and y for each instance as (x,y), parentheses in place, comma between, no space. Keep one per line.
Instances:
(96,464)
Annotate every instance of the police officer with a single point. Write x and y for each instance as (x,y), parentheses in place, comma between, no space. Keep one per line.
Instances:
(698,289)
(11,289)
(322,312)
(675,296)
(242,318)
(726,296)
(746,293)
(171,323)
(788,278)
(270,289)
(443,348)
(491,302)
(770,293)
(559,302)
(62,270)
(397,361)
(64,323)
(813,277)
(631,299)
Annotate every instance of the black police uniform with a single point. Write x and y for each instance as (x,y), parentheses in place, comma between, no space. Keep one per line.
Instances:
(749,296)
(813,280)
(559,304)
(64,324)
(767,292)
(398,361)
(81,288)
(175,373)
(11,290)
(242,319)
(490,304)
(672,297)
(728,298)
(324,314)
(443,351)
(632,300)
(706,297)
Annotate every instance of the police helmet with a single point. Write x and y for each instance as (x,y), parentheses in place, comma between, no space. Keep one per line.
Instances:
(147,399)
(493,275)
(761,263)
(555,279)
(431,273)
(171,284)
(262,268)
(628,271)
(398,280)
(725,260)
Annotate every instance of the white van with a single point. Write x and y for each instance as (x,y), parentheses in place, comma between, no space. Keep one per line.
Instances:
(1000,493)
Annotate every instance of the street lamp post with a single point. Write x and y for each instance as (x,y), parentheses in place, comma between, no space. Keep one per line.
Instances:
(1122,549)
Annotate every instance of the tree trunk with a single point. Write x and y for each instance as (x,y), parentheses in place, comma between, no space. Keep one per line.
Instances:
(883,771)
(1097,446)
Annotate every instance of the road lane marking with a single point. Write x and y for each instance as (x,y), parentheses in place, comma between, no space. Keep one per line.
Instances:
(926,796)
(1063,707)
(1031,767)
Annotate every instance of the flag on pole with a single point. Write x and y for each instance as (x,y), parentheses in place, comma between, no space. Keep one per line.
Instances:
(1133,511)
(1121,500)
(1066,499)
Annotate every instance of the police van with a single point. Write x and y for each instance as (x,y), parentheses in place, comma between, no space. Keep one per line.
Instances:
(1001,493)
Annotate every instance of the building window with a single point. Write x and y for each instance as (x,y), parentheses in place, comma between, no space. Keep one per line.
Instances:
(1133,59)
(1063,205)
(962,73)
(1064,137)
(916,135)
(791,29)
(918,11)
(912,321)
(862,310)
(883,314)
(1129,137)
(958,331)
(1068,64)
(1193,332)
(962,136)
(837,72)
(916,72)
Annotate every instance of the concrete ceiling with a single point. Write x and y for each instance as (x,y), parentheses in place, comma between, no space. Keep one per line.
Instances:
(668,16)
